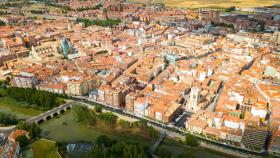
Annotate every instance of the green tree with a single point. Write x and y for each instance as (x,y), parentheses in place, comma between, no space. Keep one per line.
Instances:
(98,152)
(124,123)
(33,129)
(81,113)
(152,132)
(230,9)
(98,108)
(104,141)
(8,80)
(2,23)
(103,23)
(191,140)
(106,147)
(42,99)
(23,141)
(109,118)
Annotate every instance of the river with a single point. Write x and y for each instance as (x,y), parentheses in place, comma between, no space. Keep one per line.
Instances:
(65,129)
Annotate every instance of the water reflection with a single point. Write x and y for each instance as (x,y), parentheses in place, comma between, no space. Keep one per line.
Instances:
(78,149)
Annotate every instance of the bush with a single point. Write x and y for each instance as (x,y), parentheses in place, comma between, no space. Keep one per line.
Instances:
(109,118)
(81,113)
(33,129)
(7,119)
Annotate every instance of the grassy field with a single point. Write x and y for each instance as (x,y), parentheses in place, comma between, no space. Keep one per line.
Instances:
(214,3)
(21,109)
(45,149)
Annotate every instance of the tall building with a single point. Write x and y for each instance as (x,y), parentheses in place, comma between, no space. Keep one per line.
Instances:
(65,45)
(194,99)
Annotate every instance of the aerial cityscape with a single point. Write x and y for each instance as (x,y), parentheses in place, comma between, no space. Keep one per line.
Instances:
(139,78)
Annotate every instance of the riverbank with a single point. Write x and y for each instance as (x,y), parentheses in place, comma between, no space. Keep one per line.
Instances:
(54,129)
(42,148)
(21,109)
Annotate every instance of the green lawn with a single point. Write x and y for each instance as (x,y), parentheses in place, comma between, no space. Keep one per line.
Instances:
(45,149)
(21,109)
(65,129)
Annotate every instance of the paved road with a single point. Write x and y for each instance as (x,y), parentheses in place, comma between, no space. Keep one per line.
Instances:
(213,105)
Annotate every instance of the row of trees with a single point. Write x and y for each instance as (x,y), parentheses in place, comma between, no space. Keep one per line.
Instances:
(63,7)
(103,23)
(106,147)
(92,118)
(98,6)
(222,25)
(42,99)
(8,119)
(7,5)
(3,12)
(37,12)
(83,114)
(230,9)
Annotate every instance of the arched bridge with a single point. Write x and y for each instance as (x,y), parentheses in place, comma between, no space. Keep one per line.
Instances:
(50,114)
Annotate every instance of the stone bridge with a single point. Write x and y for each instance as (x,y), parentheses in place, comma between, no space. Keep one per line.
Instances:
(50,114)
